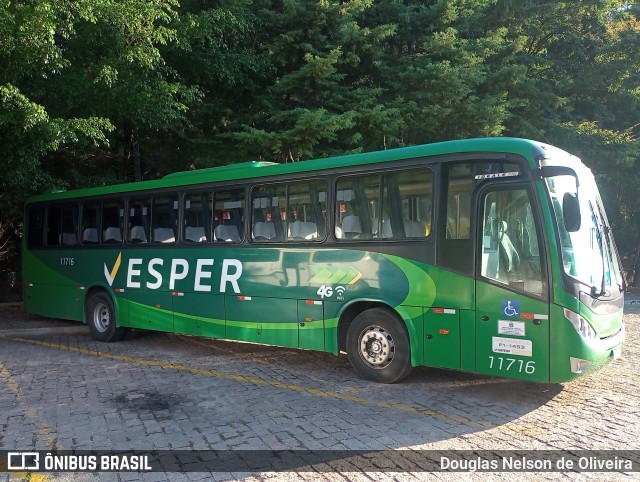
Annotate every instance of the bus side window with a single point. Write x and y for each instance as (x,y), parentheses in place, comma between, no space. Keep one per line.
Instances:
(404,211)
(69,235)
(455,245)
(406,204)
(197,217)
(229,216)
(62,226)
(35,227)
(89,225)
(306,208)
(164,219)
(357,207)
(269,204)
(112,221)
(139,223)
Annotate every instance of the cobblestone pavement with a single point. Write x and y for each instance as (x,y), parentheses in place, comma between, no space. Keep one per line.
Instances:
(60,389)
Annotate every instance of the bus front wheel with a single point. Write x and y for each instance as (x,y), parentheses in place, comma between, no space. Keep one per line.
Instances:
(378,346)
(101,317)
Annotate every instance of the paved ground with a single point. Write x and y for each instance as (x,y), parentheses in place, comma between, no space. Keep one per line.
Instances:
(59,389)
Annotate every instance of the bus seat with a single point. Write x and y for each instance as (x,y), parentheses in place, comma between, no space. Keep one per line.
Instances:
(163,235)
(137,234)
(303,230)
(351,226)
(195,234)
(68,239)
(227,233)
(414,229)
(112,235)
(264,230)
(90,235)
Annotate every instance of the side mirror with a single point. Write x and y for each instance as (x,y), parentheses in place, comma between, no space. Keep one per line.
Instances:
(571,212)
(570,203)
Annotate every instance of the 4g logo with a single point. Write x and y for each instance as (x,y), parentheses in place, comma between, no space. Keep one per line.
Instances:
(327,291)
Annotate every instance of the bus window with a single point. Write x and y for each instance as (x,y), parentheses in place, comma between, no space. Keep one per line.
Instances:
(510,252)
(404,211)
(269,213)
(306,208)
(229,216)
(357,207)
(112,221)
(139,223)
(459,190)
(35,228)
(89,225)
(197,217)
(164,219)
(61,226)
(406,204)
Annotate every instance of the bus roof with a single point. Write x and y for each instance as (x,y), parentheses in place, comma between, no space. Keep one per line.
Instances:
(248,170)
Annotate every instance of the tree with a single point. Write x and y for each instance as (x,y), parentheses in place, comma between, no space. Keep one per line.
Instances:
(71,73)
(581,93)
(312,98)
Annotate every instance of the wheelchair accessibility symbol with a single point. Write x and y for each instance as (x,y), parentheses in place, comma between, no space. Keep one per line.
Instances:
(511,307)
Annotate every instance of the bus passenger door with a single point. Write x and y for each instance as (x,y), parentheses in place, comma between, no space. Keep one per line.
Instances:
(512,311)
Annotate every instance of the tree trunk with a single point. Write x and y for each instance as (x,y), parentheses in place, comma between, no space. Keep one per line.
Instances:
(633,269)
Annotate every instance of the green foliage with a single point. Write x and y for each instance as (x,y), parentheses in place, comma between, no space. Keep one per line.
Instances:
(92,92)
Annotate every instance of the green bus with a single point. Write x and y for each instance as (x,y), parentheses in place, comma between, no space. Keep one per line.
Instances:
(491,256)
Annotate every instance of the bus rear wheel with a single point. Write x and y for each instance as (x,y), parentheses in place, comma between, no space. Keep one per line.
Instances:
(378,346)
(101,317)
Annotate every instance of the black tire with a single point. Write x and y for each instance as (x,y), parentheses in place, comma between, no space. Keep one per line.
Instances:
(101,318)
(378,346)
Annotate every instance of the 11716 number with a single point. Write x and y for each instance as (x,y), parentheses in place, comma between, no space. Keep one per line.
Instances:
(512,364)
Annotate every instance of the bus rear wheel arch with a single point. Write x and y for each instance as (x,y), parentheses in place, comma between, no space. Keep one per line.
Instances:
(378,346)
(100,315)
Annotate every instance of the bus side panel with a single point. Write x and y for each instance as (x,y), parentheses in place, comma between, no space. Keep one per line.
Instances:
(55,301)
(277,325)
(199,314)
(442,338)
(150,310)
(56,294)
(331,318)
(311,322)
(468,340)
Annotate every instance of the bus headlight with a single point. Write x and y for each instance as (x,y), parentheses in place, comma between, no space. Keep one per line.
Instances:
(581,325)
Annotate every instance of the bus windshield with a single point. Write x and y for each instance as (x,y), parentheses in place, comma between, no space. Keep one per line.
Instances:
(588,254)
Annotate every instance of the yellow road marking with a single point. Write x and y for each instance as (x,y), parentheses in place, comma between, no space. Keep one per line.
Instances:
(285,386)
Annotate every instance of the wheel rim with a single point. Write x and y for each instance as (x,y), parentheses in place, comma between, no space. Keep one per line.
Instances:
(101,317)
(376,347)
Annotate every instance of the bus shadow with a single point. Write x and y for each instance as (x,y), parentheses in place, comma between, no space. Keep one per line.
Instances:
(321,416)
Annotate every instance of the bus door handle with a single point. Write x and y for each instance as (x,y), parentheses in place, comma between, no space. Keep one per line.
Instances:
(484,318)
